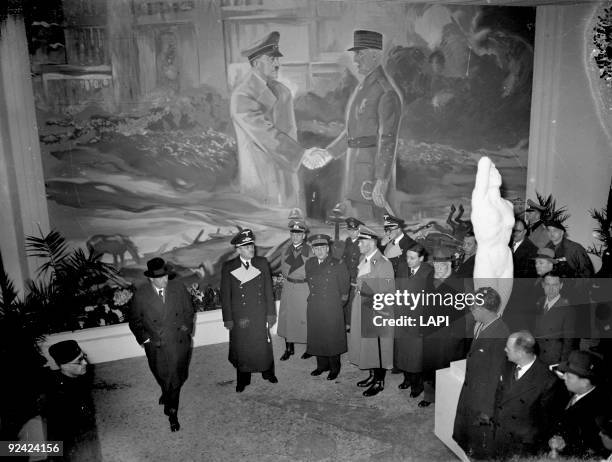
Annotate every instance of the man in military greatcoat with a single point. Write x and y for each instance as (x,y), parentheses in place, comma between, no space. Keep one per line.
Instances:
(247,304)
(371,347)
(370,135)
(329,283)
(351,254)
(161,319)
(292,311)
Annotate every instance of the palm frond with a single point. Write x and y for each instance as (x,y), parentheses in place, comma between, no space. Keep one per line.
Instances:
(552,213)
(8,293)
(53,248)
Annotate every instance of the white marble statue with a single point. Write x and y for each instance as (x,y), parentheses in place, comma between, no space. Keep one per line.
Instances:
(493,219)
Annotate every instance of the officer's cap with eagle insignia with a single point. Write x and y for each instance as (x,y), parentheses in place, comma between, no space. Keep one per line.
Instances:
(367,233)
(392,222)
(297,226)
(319,239)
(266,46)
(353,223)
(244,237)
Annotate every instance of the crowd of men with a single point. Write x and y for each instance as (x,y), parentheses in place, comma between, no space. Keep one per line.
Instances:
(536,379)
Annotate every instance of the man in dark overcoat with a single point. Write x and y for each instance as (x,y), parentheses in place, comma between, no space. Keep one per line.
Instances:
(528,398)
(161,318)
(247,303)
(351,255)
(329,283)
(484,364)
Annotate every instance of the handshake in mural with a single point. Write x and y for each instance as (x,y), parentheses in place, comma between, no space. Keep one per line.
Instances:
(316,158)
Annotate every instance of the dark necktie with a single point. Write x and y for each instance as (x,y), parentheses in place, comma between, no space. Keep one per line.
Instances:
(160,292)
(517,369)
(246,265)
(412,273)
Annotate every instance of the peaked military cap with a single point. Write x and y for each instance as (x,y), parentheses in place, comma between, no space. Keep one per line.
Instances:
(266,46)
(392,222)
(319,239)
(297,226)
(366,39)
(244,237)
(532,206)
(353,223)
(296,214)
(367,233)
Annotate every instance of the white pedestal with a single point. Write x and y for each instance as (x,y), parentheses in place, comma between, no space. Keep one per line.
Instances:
(448,387)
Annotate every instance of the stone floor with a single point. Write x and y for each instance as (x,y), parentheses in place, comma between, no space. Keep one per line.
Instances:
(301,418)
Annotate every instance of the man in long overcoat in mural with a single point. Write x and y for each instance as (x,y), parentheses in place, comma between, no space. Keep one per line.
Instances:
(247,303)
(370,135)
(292,310)
(329,283)
(264,120)
(371,348)
(161,318)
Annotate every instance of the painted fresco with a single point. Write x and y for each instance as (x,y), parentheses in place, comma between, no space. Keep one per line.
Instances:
(141,157)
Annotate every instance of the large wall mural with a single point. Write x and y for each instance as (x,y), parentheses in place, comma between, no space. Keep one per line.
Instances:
(142,158)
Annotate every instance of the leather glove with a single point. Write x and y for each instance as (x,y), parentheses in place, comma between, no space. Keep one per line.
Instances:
(271,320)
(228,325)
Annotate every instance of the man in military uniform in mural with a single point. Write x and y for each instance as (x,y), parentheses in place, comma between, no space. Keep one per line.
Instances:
(247,304)
(329,283)
(292,311)
(370,133)
(264,120)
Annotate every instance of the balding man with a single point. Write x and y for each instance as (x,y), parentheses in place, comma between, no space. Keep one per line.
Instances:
(527,396)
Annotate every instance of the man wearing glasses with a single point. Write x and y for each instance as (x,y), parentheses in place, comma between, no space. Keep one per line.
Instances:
(69,409)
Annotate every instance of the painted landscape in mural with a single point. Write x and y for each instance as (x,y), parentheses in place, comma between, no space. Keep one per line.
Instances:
(141,157)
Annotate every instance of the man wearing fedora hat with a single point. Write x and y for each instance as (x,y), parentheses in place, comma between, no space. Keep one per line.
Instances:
(161,318)
(292,310)
(247,303)
(370,135)
(576,433)
(536,229)
(262,111)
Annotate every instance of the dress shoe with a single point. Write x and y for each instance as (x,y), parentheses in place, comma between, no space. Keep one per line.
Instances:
(317,372)
(332,375)
(375,388)
(286,355)
(366,382)
(404,385)
(272,379)
(415,392)
(306,355)
(424,403)
(240,387)
(174,423)
(161,400)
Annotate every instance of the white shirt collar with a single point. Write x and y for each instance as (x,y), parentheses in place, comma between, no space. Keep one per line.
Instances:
(525,368)
(552,302)
(398,238)
(582,395)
